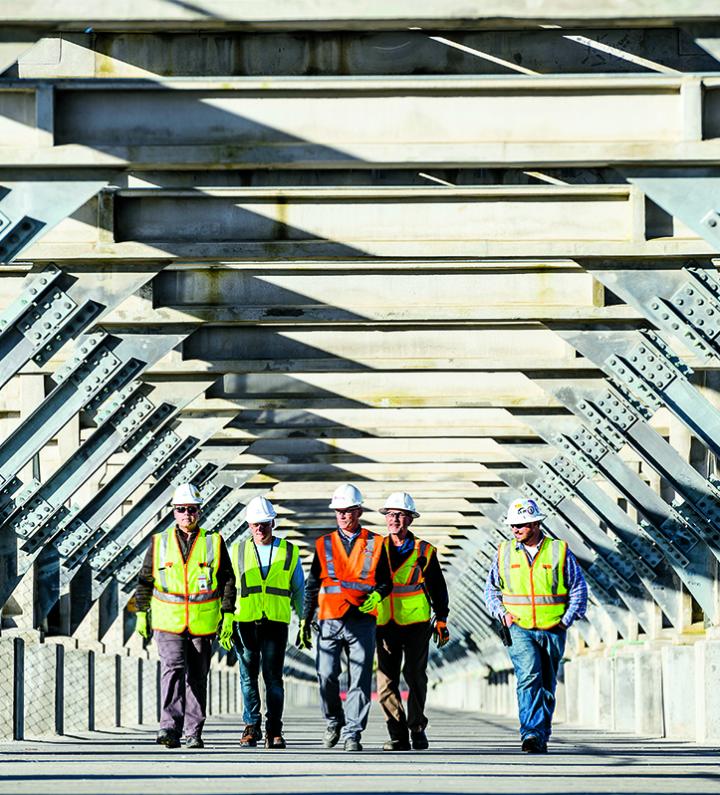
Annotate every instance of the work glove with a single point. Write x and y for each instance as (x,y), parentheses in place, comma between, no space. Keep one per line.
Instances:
(141,624)
(441,634)
(225,636)
(371,602)
(304,636)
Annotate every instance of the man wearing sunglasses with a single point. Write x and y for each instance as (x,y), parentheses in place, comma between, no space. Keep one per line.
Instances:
(186,583)
(536,589)
(404,626)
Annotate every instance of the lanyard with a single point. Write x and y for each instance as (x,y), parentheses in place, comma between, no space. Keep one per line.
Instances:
(257,555)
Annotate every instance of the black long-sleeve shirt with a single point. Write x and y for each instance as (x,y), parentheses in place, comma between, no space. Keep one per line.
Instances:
(225,575)
(435,587)
(383,580)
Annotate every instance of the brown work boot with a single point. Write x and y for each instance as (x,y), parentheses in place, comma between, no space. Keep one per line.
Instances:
(275,742)
(250,736)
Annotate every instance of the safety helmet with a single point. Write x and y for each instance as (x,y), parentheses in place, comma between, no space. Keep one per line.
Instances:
(259,510)
(186,494)
(400,501)
(525,510)
(346,496)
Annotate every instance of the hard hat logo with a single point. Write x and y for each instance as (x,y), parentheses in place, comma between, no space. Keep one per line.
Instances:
(526,510)
(346,496)
(186,494)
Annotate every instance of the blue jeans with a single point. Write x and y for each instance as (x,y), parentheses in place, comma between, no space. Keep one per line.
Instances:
(536,655)
(262,643)
(353,636)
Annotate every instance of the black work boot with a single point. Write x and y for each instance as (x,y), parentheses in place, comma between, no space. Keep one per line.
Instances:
(419,740)
(169,738)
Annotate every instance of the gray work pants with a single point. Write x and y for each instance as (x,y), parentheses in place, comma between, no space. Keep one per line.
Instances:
(184,666)
(354,636)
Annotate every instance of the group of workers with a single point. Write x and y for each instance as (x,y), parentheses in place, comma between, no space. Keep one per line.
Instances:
(372,595)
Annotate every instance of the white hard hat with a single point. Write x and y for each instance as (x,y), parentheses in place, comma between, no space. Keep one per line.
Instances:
(346,496)
(400,501)
(259,510)
(525,510)
(186,494)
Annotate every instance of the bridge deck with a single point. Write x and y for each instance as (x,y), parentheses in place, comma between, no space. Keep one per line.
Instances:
(469,753)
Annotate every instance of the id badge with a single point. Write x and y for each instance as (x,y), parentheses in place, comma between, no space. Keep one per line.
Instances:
(202,582)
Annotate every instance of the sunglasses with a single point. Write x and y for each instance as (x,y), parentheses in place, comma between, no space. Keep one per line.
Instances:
(186,509)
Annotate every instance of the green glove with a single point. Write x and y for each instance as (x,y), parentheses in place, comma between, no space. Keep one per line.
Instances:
(304,636)
(372,601)
(141,624)
(225,638)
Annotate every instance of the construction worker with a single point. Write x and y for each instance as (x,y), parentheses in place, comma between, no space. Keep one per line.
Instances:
(404,627)
(535,587)
(186,583)
(269,580)
(349,577)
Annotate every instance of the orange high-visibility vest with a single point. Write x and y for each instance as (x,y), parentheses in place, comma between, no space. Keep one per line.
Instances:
(346,580)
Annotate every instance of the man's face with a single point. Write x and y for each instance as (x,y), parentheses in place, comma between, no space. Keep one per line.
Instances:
(261,532)
(186,517)
(527,533)
(348,519)
(398,523)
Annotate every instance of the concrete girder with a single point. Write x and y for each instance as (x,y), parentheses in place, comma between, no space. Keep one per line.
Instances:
(332,122)
(545,50)
(295,223)
(376,15)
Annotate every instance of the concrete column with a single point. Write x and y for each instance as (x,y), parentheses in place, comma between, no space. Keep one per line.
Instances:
(150,691)
(624,686)
(106,706)
(76,691)
(571,691)
(678,677)
(649,718)
(130,691)
(7,687)
(41,678)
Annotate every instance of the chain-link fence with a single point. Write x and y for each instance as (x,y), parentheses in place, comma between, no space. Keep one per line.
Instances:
(41,668)
(76,701)
(130,682)
(106,709)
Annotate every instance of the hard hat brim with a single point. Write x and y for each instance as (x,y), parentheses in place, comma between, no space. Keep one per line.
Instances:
(539,518)
(398,508)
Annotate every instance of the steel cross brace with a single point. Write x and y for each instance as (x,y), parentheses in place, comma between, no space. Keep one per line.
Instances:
(611,406)
(30,209)
(689,558)
(644,366)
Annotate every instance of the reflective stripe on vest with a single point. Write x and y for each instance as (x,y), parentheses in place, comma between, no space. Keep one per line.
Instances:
(408,603)
(345,580)
(261,596)
(185,593)
(535,593)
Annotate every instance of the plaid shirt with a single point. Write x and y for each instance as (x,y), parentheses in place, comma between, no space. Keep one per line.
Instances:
(574,580)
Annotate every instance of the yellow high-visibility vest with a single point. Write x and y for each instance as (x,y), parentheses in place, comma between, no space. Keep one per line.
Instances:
(185,593)
(535,593)
(408,603)
(259,597)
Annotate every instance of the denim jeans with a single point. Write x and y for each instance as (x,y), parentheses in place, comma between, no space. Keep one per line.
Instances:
(262,644)
(536,655)
(352,636)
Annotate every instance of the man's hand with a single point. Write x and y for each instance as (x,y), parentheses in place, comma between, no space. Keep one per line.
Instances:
(371,602)
(141,624)
(304,636)
(508,619)
(441,634)
(225,638)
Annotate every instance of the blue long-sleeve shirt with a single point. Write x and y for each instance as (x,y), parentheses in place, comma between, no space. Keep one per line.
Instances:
(574,580)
